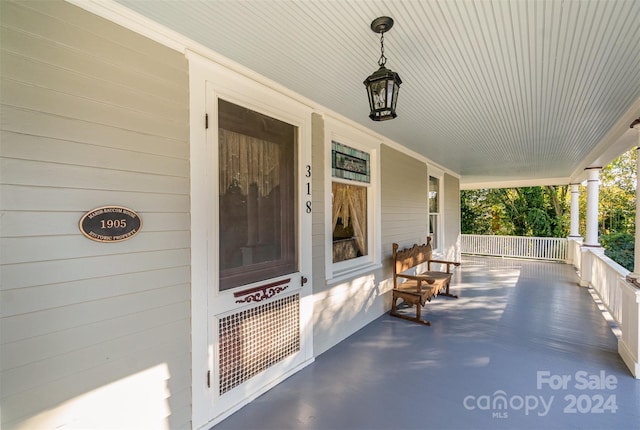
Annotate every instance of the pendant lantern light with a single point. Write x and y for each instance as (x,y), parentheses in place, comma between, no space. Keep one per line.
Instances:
(383,85)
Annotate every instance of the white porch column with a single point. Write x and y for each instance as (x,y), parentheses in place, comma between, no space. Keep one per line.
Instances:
(591,246)
(593,196)
(574,239)
(575,211)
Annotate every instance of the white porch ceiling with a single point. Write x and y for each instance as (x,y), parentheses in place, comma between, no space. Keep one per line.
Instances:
(500,92)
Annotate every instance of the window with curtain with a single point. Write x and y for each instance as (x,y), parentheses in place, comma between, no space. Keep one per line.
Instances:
(257,224)
(352,204)
(350,169)
(349,216)
(434,210)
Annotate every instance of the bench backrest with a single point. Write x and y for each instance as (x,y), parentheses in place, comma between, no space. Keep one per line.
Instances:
(407,258)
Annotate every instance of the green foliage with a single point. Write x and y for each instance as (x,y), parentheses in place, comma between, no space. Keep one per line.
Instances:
(528,211)
(617,212)
(545,211)
(618,196)
(619,247)
(538,220)
(474,214)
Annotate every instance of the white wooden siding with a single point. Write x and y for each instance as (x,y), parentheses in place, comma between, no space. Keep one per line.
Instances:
(404,200)
(92,115)
(451,218)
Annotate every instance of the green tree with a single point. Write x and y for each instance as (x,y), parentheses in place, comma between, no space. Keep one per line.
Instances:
(617,211)
(527,211)
(475,212)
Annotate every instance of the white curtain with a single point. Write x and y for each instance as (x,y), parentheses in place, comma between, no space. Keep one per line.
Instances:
(245,160)
(350,204)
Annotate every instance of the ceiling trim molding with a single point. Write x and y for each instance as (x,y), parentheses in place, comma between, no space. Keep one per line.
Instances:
(121,15)
(514,184)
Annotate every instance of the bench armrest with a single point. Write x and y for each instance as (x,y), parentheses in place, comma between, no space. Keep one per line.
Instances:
(448,263)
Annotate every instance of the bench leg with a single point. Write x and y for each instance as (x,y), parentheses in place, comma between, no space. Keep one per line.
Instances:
(393,305)
(447,293)
(417,318)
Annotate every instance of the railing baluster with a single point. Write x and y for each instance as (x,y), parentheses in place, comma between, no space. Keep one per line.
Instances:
(542,248)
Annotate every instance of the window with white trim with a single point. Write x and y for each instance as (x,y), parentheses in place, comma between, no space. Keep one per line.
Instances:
(434,211)
(351,204)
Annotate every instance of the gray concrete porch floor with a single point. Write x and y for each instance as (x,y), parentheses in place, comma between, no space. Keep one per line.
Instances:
(524,347)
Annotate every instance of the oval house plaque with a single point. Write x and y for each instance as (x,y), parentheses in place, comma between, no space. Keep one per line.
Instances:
(110,224)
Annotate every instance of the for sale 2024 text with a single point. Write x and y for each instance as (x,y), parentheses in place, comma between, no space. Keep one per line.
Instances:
(595,395)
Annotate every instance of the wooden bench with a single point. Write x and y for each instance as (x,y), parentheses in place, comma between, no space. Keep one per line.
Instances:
(420,288)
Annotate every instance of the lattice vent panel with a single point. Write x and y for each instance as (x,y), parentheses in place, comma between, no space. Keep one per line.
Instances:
(255,339)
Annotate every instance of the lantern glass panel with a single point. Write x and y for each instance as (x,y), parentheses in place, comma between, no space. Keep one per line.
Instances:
(379,93)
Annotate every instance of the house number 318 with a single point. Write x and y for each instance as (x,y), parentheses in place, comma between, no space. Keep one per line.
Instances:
(308,183)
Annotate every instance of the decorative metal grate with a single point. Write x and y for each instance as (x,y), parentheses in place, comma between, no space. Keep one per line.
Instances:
(255,339)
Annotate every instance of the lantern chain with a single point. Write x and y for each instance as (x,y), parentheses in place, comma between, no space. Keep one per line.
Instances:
(383,60)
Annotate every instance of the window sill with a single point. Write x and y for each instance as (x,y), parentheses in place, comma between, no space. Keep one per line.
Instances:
(350,273)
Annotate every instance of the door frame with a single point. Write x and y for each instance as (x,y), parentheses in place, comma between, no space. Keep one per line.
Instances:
(206,75)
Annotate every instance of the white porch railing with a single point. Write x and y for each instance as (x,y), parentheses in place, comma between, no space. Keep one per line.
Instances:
(574,254)
(608,279)
(621,299)
(542,248)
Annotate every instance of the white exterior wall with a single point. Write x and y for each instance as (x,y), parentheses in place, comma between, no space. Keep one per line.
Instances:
(92,334)
(404,201)
(451,219)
